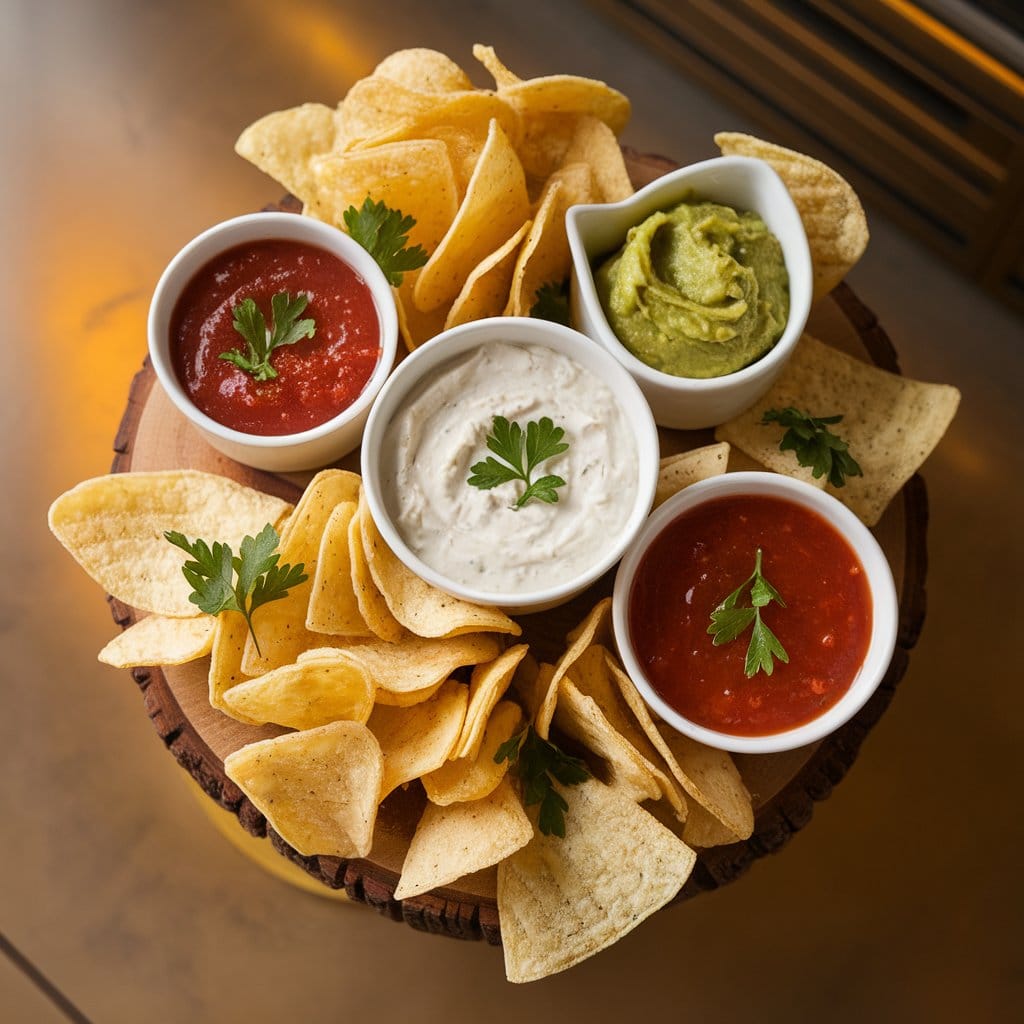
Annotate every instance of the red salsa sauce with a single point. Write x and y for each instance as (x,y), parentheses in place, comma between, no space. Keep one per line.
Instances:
(317,377)
(704,555)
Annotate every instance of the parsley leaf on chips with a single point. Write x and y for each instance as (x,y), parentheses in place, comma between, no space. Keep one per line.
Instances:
(262,341)
(814,444)
(543,441)
(539,763)
(260,578)
(383,232)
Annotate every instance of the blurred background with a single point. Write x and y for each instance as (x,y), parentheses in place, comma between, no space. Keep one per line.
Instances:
(900,901)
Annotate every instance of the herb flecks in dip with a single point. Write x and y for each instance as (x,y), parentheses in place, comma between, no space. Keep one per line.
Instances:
(472,536)
(700,290)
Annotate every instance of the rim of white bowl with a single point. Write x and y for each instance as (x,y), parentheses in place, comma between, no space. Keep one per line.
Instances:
(252,227)
(885,608)
(449,345)
(796,254)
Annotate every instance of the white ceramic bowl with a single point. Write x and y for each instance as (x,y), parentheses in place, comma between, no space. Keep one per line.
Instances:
(308,449)
(515,331)
(596,232)
(880,584)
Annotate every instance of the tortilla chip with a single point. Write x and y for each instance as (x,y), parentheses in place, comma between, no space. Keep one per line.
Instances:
(890,423)
(833,218)
(317,789)
(158,640)
(473,778)
(333,606)
(593,143)
(562,900)
(487,686)
(415,326)
(679,471)
(226,660)
(114,526)
(486,291)
(419,739)
(372,606)
(457,840)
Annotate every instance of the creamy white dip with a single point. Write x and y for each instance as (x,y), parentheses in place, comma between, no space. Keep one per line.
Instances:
(473,536)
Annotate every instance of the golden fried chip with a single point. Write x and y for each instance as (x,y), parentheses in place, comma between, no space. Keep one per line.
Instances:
(415,326)
(891,423)
(594,629)
(562,900)
(494,207)
(333,607)
(486,291)
(158,640)
(833,218)
(544,257)
(487,686)
(418,606)
(414,177)
(593,143)
(114,526)
(423,69)
(503,78)
(317,788)
(454,841)
(226,660)
(473,778)
(419,739)
(372,606)
(679,471)
(279,627)
(304,695)
(284,143)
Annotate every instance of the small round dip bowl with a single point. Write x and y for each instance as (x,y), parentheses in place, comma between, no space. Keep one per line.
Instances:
(597,231)
(402,447)
(879,638)
(309,448)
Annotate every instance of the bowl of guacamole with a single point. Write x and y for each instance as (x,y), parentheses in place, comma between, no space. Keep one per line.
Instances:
(700,284)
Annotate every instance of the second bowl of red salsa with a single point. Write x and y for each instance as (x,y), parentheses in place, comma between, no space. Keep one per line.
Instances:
(755,613)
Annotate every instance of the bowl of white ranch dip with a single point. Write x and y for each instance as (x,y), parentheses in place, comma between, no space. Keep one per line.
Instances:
(510,462)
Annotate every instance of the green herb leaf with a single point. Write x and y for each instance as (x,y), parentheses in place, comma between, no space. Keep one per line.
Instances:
(261,341)
(539,764)
(542,441)
(728,622)
(551,302)
(383,232)
(825,453)
(260,580)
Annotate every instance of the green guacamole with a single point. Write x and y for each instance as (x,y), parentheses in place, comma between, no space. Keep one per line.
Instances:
(697,291)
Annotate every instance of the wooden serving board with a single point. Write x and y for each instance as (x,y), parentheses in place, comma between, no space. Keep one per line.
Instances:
(153,435)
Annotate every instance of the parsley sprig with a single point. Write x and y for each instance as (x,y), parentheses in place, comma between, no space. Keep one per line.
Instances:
(383,232)
(728,621)
(262,341)
(815,445)
(551,302)
(543,440)
(539,764)
(260,578)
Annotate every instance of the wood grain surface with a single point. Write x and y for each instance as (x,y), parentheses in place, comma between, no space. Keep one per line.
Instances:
(785,787)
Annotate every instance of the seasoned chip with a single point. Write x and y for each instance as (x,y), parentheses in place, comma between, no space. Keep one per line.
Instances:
(562,900)
(317,788)
(372,606)
(494,207)
(158,640)
(457,840)
(487,686)
(279,627)
(890,423)
(226,660)
(114,526)
(833,218)
(419,739)
(284,143)
(473,778)
(679,471)
(423,69)
(333,607)
(486,291)
(418,606)
(304,695)
(593,143)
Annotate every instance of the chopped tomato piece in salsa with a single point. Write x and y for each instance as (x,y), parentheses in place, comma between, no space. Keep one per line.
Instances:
(317,378)
(704,555)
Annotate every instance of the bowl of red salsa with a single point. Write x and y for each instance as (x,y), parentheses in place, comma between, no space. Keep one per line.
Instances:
(272,333)
(755,613)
